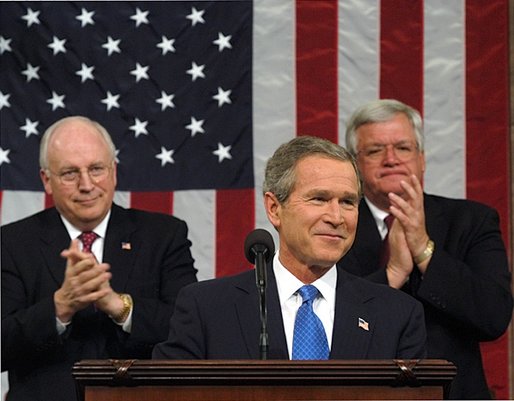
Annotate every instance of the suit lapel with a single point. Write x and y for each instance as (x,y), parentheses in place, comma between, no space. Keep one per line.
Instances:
(121,247)
(247,306)
(354,320)
(53,240)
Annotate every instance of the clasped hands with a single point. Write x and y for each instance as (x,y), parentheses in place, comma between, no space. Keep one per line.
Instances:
(408,236)
(85,282)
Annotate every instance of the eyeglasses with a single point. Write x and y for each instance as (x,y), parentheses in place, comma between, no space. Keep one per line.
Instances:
(402,150)
(96,173)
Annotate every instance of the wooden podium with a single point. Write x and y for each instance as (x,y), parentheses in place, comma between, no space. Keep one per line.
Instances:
(216,380)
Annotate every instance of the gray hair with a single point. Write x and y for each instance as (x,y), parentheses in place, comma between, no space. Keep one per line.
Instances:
(378,111)
(280,172)
(45,140)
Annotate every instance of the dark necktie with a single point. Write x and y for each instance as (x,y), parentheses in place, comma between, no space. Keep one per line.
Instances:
(309,338)
(87,238)
(384,250)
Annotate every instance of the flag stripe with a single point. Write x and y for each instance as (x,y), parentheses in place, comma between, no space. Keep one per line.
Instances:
(161,202)
(358,56)
(444,98)
(487,132)
(316,68)
(274,88)
(198,209)
(401,51)
(234,220)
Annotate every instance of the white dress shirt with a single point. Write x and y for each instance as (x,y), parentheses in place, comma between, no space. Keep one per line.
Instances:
(324,306)
(97,249)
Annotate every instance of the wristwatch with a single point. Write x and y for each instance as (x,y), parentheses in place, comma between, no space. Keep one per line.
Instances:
(127,307)
(429,250)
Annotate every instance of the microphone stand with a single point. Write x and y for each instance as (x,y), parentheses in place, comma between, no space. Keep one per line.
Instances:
(260,275)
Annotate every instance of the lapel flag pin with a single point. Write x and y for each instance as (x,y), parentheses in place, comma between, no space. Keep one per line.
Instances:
(126,246)
(363,324)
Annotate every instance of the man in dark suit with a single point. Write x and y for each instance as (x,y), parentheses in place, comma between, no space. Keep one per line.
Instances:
(65,299)
(311,196)
(447,253)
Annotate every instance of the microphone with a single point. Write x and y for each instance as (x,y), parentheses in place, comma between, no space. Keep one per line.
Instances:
(259,249)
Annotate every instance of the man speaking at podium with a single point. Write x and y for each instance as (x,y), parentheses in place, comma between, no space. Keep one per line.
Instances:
(314,310)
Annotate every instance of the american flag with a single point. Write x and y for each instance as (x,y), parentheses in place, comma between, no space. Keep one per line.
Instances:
(197,96)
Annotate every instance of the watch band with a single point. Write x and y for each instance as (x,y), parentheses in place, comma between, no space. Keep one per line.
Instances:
(429,250)
(127,307)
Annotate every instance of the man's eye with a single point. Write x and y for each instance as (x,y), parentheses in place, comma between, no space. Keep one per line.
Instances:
(374,151)
(69,174)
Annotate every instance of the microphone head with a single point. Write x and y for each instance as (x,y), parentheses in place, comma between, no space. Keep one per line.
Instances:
(259,240)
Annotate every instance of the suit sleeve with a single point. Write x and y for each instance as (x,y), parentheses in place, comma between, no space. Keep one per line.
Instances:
(468,278)
(412,343)
(28,330)
(173,268)
(185,339)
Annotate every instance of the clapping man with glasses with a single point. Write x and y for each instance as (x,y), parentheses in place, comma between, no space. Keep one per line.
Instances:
(447,253)
(85,279)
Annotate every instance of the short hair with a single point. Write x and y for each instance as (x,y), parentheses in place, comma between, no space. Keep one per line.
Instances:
(280,173)
(379,111)
(45,140)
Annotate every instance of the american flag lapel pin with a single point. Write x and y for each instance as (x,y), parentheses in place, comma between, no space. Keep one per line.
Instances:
(363,324)
(126,246)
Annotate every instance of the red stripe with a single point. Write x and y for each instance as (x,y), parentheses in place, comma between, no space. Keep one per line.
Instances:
(152,201)
(235,218)
(316,68)
(401,51)
(487,130)
(49,201)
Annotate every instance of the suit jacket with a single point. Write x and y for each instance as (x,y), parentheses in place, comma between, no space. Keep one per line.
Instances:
(39,360)
(220,319)
(466,289)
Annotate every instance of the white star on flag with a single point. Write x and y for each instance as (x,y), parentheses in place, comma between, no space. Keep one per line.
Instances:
(31,72)
(32,17)
(30,127)
(139,127)
(222,97)
(196,16)
(111,101)
(86,17)
(56,101)
(195,126)
(166,100)
(4,100)
(166,45)
(223,152)
(166,156)
(196,71)
(4,156)
(140,17)
(223,42)
(85,73)
(57,45)
(112,45)
(140,72)
(5,45)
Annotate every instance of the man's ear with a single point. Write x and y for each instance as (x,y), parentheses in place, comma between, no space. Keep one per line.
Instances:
(45,179)
(273,209)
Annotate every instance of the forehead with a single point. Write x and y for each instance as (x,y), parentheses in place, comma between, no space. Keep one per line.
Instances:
(77,141)
(317,171)
(398,127)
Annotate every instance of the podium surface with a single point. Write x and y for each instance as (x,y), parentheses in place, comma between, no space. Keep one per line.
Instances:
(216,380)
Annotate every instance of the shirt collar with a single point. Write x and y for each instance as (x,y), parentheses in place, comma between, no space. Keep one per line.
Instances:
(378,215)
(288,284)
(99,230)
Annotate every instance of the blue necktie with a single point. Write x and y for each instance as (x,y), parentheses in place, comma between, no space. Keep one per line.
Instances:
(309,339)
